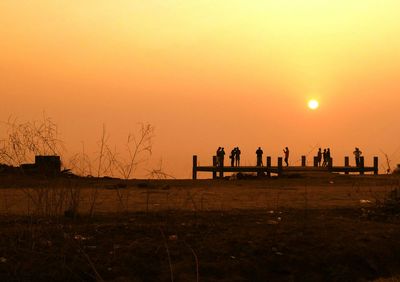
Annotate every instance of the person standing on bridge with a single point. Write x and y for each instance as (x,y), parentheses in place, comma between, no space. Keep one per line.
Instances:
(221,157)
(218,154)
(357,154)
(237,156)
(286,152)
(324,158)
(232,156)
(259,154)
(319,157)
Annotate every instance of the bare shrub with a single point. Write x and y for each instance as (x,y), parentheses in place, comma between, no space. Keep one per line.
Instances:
(113,161)
(24,140)
(80,163)
(20,144)
(138,149)
(53,199)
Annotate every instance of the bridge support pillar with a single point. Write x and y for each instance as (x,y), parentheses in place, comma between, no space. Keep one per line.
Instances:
(346,164)
(362,165)
(214,173)
(315,161)
(303,161)
(268,164)
(376,164)
(194,172)
(280,166)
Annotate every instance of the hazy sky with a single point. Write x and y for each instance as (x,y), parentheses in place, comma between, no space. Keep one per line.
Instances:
(207,74)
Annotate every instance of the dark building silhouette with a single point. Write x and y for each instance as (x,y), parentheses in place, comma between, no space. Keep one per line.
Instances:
(48,165)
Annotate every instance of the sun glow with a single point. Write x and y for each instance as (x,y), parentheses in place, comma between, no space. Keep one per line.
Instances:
(313,104)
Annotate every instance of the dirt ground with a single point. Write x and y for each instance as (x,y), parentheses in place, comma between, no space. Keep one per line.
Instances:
(325,228)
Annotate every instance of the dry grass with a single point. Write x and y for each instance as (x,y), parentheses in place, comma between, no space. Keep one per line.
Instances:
(52,197)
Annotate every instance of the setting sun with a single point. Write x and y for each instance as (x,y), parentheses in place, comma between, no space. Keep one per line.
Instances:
(313,104)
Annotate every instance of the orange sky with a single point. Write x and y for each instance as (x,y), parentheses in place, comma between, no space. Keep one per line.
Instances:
(207,74)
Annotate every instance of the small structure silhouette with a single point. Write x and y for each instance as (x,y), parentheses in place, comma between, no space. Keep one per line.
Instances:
(44,165)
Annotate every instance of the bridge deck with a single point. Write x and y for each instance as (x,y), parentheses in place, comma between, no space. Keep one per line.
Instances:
(275,169)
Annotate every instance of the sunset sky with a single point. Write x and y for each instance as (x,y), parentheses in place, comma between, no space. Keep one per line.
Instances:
(208,74)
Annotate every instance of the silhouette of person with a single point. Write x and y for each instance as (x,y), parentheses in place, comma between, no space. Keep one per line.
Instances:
(221,157)
(325,157)
(237,156)
(357,154)
(259,154)
(328,156)
(286,152)
(319,157)
(232,156)
(218,154)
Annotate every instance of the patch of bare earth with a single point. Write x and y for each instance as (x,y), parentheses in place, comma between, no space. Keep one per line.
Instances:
(286,245)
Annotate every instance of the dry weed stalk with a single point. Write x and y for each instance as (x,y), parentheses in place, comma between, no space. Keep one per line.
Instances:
(168,254)
(388,168)
(95,191)
(138,149)
(81,163)
(196,259)
(159,173)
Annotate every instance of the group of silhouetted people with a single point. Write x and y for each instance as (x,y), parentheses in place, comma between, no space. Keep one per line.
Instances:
(324,157)
(259,154)
(235,156)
